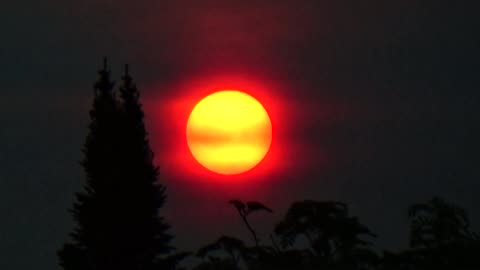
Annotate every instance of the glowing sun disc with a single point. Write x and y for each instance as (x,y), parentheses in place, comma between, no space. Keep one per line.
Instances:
(229,132)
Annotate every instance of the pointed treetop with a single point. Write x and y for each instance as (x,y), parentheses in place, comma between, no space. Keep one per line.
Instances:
(104,69)
(103,82)
(127,79)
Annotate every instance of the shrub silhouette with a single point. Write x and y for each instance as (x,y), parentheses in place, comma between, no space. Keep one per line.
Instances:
(334,237)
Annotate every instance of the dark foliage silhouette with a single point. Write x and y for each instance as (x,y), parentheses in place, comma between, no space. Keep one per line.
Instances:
(214,253)
(437,223)
(440,232)
(440,237)
(334,237)
(118,225)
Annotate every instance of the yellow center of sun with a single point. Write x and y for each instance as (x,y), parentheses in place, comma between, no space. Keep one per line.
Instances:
(229,132)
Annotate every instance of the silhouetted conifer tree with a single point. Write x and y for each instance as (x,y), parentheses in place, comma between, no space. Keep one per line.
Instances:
(117,221)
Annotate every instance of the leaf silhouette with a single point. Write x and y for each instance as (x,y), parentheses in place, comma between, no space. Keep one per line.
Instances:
(257,206)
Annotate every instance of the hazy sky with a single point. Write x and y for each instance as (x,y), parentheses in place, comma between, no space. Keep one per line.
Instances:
(375,104)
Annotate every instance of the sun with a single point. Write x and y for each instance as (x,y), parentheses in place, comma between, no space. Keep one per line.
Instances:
(229,132)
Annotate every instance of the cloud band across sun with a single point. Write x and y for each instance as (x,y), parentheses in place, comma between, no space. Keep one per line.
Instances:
(229,132)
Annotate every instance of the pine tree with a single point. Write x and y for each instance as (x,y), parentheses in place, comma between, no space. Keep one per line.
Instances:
(117,220)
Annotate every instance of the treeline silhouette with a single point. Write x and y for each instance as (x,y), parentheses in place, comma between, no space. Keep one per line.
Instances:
(119,225)
(440,238)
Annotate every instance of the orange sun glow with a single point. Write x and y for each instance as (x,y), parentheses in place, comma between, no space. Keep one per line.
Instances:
(229,132)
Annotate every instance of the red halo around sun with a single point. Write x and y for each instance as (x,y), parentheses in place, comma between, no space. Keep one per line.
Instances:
(175,112)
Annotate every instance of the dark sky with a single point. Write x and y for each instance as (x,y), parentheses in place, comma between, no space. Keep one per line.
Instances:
(376,105)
